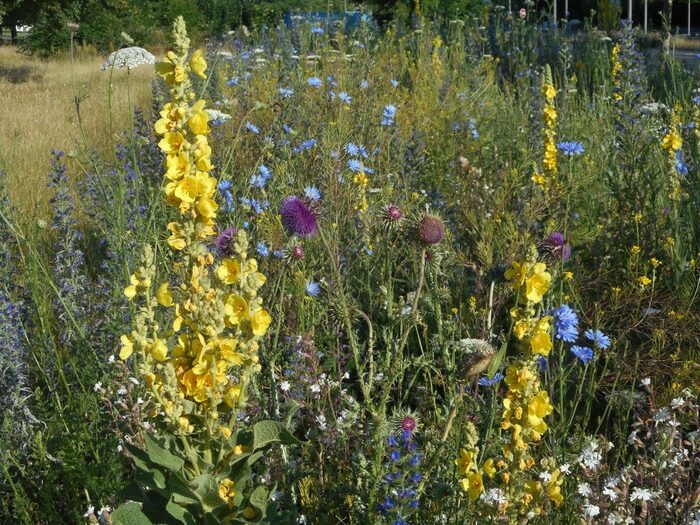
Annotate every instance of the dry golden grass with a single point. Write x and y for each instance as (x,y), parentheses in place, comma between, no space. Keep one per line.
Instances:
(38,113)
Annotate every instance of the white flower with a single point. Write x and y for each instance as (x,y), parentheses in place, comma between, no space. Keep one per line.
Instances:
(111,359)
(321,420)
(565,468)
(134,381)
(90,511)
(494,496)
(662,415)
(315,388)
(677,402)
(645,382)
(104,509)
(129,57)
(590,456)
(642,494)
(610,493)
(302,520)
(216,115)
(632,437)
(139,401)
(285,386)
(120,447)
(346,376)
(590,510)
(545,476)
(406,310)
(97,387)
(584,489)
(379,376)
(121,391)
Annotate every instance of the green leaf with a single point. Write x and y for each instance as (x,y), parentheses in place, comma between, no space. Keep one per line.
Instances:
(130,514)
(207,491)
(267,432)
(495,363)
(180,513)
(162,456)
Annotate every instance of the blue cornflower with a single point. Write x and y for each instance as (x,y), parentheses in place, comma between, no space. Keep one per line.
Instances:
(307,144)
(485,381)
(352,149)
(317,30)
(696,99)
(224,185)
(344,97)
(415,460)
(262,250)
(394,82)
(542,363)
(287,129)
(278,253)
(598,337)
(681,166)
(566,324)
(364,85)
(395,455)
(584,353)
(354,165)
(314,82)
(252,128)
(286,92)
(387,504)
(233,82)
(331,81)
(471,124)
(416,477)
(312,193)
(388,115)
(260,180)
(392,441)
(570,149)
(313,288)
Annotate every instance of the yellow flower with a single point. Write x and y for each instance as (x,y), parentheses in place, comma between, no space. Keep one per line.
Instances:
(172,142)
(198,121)
(516,274)
(655,262)
(260,322)
(159,350)
(537,284)
(198,64)
(568,276)
(235,309)
(541,343)
(635,249)
(127,348)
(229,271)
(672,141)
(163,295)
(518,379)
(226,491)
(489,469)
(554,487)
(170,69)
(466,461)
(643,281)
(473,485)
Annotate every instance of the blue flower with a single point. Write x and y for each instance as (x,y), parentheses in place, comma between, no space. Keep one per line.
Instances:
(344,97)
(570,149)
(317,30)
(392,441)
(416,477)
(307,144)
(354,165)
(313,288)
(681,166)
(394,82)
(566,324)
(485,381)
(233,82)
(314,82)
(331,81)
(286,92)
(260,180)
(352,149)
(415,460)
(252,128)
(364,85)
(262,250)
(395,455)
(598,337)
(696,99)
(312,193)
(224,185)
(388,115)
(542,363)
(584,353)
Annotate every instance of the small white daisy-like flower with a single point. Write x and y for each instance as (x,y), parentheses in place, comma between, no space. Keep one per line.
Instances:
(677,402)
(584,489)
(97,387)
(565,468)
(111,358)
(645,382)
(545,476)
(121,391)
(610,493)
(321,420)
(590,510)
(641,494)
(285,386)
(315,388)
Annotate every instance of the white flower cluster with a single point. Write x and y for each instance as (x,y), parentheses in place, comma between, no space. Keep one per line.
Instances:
(129,57)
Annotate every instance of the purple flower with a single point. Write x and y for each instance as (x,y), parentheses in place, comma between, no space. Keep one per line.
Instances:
(556,243)
(224,241)
(297,218)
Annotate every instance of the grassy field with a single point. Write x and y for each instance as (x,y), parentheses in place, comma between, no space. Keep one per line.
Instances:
(39,112)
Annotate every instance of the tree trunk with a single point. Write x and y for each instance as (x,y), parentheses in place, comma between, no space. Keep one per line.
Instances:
(13,32)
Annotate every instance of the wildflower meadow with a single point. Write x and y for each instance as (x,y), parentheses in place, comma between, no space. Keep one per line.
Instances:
(436,271)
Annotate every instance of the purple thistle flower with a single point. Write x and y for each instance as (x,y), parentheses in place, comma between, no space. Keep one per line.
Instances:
(556,243)
(224,241)
(297,218)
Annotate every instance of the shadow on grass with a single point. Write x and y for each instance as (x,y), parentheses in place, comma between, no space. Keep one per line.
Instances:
(18,74)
